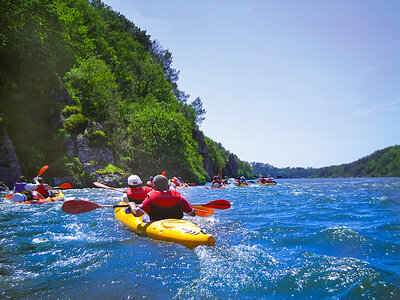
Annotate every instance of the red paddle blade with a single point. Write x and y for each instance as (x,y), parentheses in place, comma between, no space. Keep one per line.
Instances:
(42,170)
(163,173)
(8,196)
(66,185)
(78,206)
(218,204)
(202,211)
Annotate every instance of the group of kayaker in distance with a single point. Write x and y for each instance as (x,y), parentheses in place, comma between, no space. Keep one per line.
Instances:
(158,198)
(265,180)
(221,182)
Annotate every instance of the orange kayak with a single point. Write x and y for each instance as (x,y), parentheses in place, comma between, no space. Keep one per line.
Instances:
(59,196)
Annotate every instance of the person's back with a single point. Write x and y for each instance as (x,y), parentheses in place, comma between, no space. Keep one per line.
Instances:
(165,205)
(138,194)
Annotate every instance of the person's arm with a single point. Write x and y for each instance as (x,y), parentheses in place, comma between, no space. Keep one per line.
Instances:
(136,211)
(31,186)
(125,197)
(187,207)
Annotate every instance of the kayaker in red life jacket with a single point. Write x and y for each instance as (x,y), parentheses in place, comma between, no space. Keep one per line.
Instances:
(43,188)
(162,203)
(135,193)
(217,182)
(149,182)
(262,180)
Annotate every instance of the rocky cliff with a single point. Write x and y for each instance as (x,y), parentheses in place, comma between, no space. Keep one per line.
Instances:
(231,167)
(9,165)
(198,136)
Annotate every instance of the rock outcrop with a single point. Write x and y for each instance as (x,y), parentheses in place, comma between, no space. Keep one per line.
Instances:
(91,149)
(9,165)
(198,136)
(231,167)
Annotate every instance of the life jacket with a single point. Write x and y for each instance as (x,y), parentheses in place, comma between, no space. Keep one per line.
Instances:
(138,194)
(20,188)
(217,180)
(165,205)
(43,191)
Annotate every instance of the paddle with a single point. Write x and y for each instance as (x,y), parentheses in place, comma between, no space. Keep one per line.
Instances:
(202,211)
(218,204)
(42,170)
(66,185)
(220,172)
(101,185)
(83,206)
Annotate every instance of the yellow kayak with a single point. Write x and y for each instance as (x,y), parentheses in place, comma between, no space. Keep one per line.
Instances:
(172,230)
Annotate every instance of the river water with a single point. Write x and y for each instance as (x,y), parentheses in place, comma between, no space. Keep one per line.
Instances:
(303,238)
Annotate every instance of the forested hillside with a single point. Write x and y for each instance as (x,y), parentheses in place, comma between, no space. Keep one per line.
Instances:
(69,63)
(382,163)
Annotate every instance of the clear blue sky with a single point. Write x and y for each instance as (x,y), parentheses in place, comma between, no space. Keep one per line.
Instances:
(288,83)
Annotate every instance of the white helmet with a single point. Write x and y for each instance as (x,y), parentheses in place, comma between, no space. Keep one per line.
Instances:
(134,180)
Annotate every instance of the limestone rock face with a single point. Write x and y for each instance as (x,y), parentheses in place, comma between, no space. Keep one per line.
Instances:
(198,136)
(93,153)
(231,167)
(112,179)
(9,165)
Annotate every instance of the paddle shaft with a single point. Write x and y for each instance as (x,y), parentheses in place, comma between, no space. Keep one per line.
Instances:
(116,205)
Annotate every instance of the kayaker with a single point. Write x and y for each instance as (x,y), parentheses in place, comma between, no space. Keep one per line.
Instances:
(182,183)
(135,192)
(43,188)
(162,203)
(262,180)
(176,181)
(23,190)
(216,181)
(149,182)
